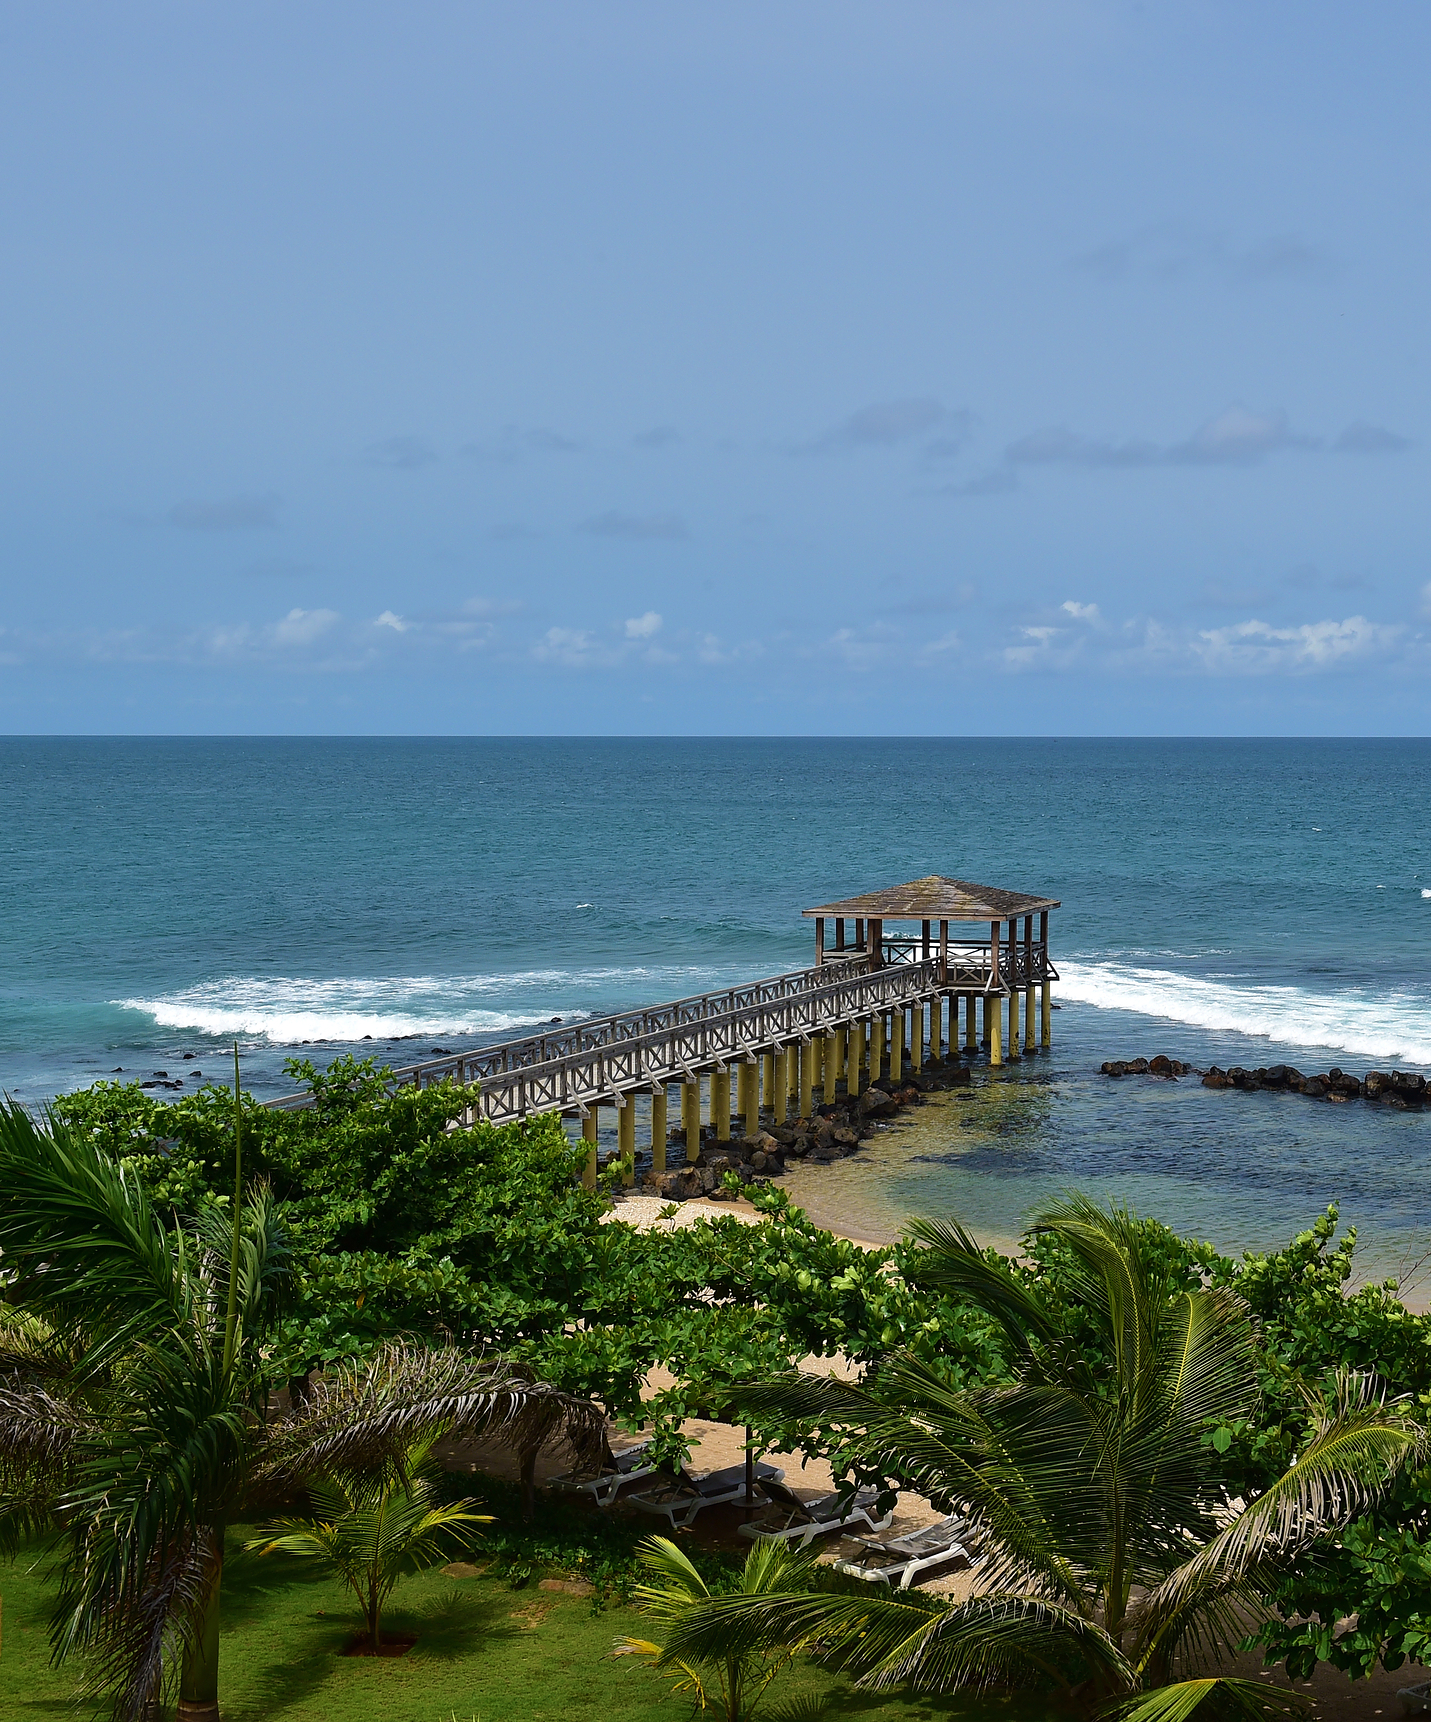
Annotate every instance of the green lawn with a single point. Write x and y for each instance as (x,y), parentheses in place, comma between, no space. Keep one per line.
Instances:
(484,1650)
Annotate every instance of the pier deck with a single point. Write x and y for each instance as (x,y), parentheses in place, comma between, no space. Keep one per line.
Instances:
(884,998)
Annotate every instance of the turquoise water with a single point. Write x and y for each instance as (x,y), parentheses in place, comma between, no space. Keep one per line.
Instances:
(1243,901)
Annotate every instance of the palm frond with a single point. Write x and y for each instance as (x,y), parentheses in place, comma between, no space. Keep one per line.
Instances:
(1354,1453)
(365,1416)
(1219,1698)
(953,1261)
(110,1270)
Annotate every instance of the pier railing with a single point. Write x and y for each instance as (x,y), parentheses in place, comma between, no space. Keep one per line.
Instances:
(594,1062)
(969,966)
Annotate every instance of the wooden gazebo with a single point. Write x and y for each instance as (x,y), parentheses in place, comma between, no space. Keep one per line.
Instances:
(999,967)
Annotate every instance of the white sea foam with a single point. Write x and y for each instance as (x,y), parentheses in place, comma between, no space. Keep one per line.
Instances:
(1367,1022)
(1425,892)
(288,1010)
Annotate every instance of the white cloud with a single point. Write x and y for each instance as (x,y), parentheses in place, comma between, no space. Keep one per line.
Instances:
(613,524)
(401,453)
(1362,438)
(303,627)
(1257,648)
(643,627)
(228,514)
(1082,612)
(886,424)
(566,646)
(1234,437)
(1238,435)
(389,619)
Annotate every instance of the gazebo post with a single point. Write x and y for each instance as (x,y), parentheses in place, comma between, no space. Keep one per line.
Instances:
(1046,1037)
(839,932)
(876,932)
(971,1027)
(1013,983)
(767,1071)
(860,935)
(819,941)
(1030,991)
(944,953)
(925,948)
(658,1128)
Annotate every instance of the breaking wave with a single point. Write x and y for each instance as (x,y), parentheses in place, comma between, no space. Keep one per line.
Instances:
(1368,1022)
(286,1011)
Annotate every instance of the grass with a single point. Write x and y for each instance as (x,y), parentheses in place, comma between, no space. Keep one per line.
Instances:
(484,1651)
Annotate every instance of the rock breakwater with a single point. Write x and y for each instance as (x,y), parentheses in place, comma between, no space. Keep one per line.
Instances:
(1399,1089)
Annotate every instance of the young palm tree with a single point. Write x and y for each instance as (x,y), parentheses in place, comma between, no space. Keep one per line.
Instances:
(131,1406)
(735,1678)
(371,1528)
(1112,1558)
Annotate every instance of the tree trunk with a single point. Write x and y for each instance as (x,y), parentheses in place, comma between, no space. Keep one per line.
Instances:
(199,1672)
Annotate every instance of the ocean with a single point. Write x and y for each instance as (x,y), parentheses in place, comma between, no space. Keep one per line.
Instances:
(1232,901)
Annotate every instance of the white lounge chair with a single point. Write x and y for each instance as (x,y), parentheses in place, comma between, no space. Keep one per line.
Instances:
(899,1561)
(788,1519)
(689,1493)
(617,1470)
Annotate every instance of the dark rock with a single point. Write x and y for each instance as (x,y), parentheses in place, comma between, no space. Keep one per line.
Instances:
(783,1133)
(1392,1098)
(1376,1081)
(1160,1066)
(1315,1088)
(1138,1067)
(1113,1067)
(1215,1078)
(823,1152)
(876,1103)
(846,1138)
(961,1076)
(679,1186)
(758,1161)
(188,1055)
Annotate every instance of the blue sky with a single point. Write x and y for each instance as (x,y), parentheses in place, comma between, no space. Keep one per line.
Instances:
(815,368)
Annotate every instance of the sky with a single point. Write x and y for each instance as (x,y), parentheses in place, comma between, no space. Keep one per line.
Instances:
(813,368)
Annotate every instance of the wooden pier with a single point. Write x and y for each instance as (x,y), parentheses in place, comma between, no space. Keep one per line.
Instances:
(870,1002)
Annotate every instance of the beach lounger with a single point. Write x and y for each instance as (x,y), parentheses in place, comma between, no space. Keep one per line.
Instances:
(689,1493)
(617,1470)
(899,1561)
(788,1519)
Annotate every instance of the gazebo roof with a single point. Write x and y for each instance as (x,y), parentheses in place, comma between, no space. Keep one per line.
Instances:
(937,899)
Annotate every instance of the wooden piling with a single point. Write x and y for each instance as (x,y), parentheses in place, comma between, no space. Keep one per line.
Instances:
(626,1138)
(658,1128)
(589,1126)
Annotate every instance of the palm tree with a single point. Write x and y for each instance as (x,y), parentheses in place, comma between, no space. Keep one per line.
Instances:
(736,1678)
(132,1405)
(1112,1559)
(371,1528)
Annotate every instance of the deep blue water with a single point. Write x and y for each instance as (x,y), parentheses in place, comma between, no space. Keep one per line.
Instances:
(1230,900)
